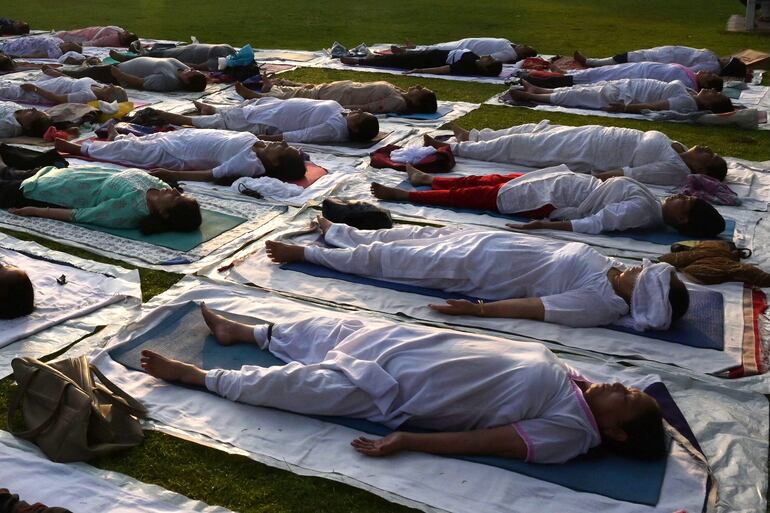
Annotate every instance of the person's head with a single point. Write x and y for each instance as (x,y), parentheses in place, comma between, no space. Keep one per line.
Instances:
(678,297)
(110,93)
(703,161)
(171,211)
(487,66)
(6,63)
(282,161)
(69,46)
(33,122)
(17,296)
(126,38)
(716,102)
(709,80)
(362,126)
(192,80)
(734,68)
(421,99)
(692,216)
(629,420)
(524,52)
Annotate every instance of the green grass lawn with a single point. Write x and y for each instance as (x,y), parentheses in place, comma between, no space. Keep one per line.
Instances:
(596,27)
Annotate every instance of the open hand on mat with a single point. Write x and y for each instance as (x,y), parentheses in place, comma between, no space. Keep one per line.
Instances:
(391,444)
(458,307)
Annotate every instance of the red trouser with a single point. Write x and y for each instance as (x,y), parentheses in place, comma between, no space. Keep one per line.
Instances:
(479,192)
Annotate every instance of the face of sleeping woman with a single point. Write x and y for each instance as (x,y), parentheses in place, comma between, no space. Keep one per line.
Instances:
(164,201)
(615,406)
(17,296)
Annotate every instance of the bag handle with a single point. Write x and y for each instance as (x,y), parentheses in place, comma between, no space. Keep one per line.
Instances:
(14,407)
(134,407)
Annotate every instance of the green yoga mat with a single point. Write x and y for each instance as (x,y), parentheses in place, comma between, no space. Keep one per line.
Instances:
(213,225)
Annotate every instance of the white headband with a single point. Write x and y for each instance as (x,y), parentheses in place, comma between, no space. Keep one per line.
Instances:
(650,307)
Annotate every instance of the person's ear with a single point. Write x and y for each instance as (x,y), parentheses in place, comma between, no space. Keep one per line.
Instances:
(615,433)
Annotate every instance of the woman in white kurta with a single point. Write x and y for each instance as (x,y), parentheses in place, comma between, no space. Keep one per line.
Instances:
(578,202)
(196,154)
(62,90)
(646,156)
(523,276)
(631,95)
(292,120)
(498,48)
(513,399)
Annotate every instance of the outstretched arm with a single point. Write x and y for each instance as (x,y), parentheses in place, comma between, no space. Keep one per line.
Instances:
(48,95)
(565,226)
(525,308)
(129,80)
(636,108)
(51,72)
(202,175)
(501,441)
(441,70)
(59,214)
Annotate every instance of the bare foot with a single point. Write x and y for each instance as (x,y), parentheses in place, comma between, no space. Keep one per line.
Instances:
(461,134)
(430,141)
(245,92)
(518,95)
(203,108)
(227,332)
(529,87)
(417,177)
(323,224)
(112,132)
(283,253)
(579,58)
(384,192)
(172,370)
(397,49)
(64,146)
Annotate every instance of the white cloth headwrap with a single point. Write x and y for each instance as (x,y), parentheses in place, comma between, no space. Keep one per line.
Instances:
(412,154)
(650,307)
(268,187)
(9,127)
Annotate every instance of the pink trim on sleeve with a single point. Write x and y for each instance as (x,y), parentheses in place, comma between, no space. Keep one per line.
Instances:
(527,441)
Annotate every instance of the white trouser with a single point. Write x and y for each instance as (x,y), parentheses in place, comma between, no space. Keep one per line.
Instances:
(144,152)
(594,96)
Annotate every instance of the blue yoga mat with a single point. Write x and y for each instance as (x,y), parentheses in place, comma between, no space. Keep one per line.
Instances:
(213,224)
(665,236)
(702,326)
(184,336)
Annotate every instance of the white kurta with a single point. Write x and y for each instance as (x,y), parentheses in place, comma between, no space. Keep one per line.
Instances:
(225,153)
(570,278)
(591,205)
(653,70)
(498,48)
(421,377)
(77,90)
(645,156)
(296,119)
(697,59)
(627,90)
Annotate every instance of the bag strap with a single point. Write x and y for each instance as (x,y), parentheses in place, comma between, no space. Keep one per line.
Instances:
(14,407)
(132,405)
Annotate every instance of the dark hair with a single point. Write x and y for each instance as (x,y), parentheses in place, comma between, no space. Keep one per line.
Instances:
(39,126)
(366,129)
(716,168)
(721,104)
(703,220)
(184,216)
(17,296)
(646,436)
(291,166)
(426,102)
(195,82)
(6,63)
(734,68)
(527,52)
(23,27)
(128,38)
(679,298)
(490,69)
(712,81)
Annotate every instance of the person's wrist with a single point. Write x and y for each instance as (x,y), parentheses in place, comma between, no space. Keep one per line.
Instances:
(401,441)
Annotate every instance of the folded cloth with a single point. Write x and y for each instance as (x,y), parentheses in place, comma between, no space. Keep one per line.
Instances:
(72,57)
(412,155)
(440,161)
(267,187)
(650,307)
(710,189)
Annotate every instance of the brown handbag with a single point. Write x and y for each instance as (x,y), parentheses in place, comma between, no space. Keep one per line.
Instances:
(70,415)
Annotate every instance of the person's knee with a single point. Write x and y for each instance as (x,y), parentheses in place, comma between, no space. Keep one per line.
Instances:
(17,295)
(362,126)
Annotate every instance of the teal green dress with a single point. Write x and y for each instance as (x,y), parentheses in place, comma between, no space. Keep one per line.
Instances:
(100,196)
